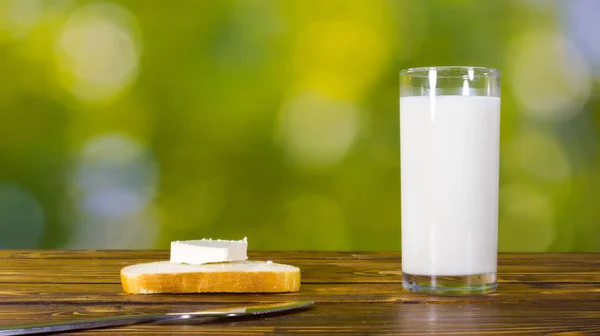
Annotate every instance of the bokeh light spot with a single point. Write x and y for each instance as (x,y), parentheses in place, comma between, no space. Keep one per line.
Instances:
(98,52)
(137,230)
(541,5)
(550,78)
(317,131)
(113,202)
(113,187)
(584,28)
(527,219)
(551,163)
(18,17)
(111,149)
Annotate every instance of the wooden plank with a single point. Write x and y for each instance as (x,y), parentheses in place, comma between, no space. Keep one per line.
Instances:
(357,292)
(319,255)
(331,318)
(313,271)
(113,293)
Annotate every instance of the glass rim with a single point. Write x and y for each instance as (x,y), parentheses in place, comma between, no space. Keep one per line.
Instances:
(424,71)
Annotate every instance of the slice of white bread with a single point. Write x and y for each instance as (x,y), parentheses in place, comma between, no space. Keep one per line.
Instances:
(228,277)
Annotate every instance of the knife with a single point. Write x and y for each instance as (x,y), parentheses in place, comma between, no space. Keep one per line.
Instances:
(104,322)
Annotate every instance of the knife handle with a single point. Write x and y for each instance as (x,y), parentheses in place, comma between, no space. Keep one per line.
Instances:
(53,327)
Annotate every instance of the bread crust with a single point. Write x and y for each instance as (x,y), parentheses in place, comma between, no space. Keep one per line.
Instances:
(212,282)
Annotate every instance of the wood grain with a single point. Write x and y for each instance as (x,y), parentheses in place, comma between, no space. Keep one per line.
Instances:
(113,293)
(320,255)
(356,293)
(76,270)
(331,318)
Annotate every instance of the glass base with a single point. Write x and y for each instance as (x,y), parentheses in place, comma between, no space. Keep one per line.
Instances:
(450,285)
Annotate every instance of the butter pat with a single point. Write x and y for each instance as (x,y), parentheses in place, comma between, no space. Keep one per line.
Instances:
(197,252)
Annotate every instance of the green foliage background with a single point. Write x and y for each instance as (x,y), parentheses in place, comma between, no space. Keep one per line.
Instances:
(129,124)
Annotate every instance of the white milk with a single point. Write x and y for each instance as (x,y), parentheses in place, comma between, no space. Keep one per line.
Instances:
(449,173)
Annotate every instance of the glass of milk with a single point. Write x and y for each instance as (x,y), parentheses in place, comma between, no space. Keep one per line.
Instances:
(449,144)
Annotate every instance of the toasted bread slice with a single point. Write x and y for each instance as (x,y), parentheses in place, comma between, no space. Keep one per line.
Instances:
(228,277)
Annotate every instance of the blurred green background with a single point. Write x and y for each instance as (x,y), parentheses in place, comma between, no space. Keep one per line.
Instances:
(128,124)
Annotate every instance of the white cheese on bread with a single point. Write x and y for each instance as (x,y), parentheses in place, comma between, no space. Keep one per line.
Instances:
(198,252)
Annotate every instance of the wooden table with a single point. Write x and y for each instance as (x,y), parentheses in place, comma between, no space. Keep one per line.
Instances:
(358,293)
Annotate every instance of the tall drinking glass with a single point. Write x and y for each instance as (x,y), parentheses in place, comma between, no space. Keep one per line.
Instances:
(449,144)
